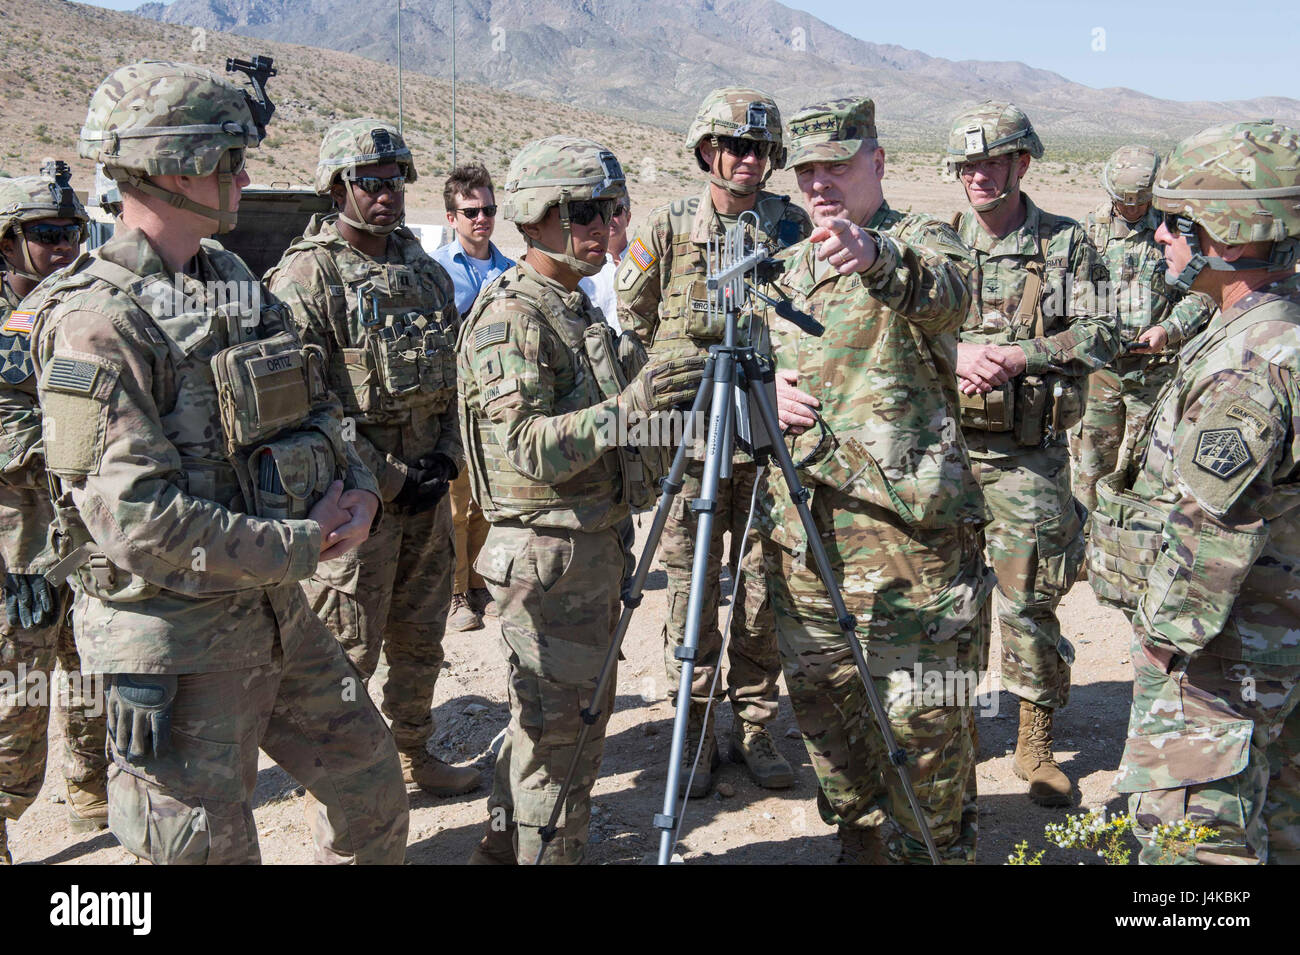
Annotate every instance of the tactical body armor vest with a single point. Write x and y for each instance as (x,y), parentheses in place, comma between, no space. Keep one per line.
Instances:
(602,367)
(280,446)
(1032,407)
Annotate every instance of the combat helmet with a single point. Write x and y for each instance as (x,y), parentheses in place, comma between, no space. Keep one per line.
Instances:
(987,130)
(31,198)
(742,113)
(158,118)
(1240,182)
(360,142)
(1129,174)
(555,172)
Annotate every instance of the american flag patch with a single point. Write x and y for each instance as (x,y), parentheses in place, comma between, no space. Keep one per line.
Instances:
(18,323)
(493,334)
(640,255)
(69,374)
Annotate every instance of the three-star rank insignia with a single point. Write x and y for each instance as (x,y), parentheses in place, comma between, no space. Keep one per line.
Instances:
(1222,452)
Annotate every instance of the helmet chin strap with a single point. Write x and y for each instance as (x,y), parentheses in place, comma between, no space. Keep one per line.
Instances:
(225,219)
(997,200)
(715,174)
(358,222)
(20,241)
(569,256)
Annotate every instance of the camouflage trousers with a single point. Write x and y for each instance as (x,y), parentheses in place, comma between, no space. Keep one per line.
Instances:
(393,593)
(753,661)
(1117,399)
(193,804)
(1215,742)
(471,529)
(1035,543)
(943,643)
(558,594)
(28,657)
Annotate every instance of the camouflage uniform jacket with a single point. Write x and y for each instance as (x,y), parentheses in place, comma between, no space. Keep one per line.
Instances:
(25,510)
(318,279)
(1078,336)
(660,282)
(149,476)
(534,418)
(898,485)
(1224,463)
(1136,265)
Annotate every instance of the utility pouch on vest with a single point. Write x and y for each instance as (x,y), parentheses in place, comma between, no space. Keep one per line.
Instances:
(1033,401)
(264,386)
(1125,534)
(290,475)
(697,315)
(437,359)
(395,349)
(1069,395)
(994,411)
(642,463)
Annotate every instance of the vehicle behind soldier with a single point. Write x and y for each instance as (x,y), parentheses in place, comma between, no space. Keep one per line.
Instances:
(1034,332)
(736,139)
(891,290)
(1207,516)
(201,474)
(543,386)
(1153,318)
(363,290)
(41,226)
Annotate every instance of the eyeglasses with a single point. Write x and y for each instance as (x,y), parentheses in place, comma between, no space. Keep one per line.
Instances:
(989,167)
(584,211)
(620,210)
(473,212)
(1177,224)
(740,148)
(373,185)
(238,158)
(46,234)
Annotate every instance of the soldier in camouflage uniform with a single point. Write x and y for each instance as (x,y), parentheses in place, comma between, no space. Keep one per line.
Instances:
(1036,328)
(41,225)
(736,139)
(1208,517)
(896,503)
(1152,316)
(201,474)
(539,391)
(363,289)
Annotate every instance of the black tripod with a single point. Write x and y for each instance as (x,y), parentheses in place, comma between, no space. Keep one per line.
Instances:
(733,376)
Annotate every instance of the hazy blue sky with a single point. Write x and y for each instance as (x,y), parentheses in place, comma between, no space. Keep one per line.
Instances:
(1177,49)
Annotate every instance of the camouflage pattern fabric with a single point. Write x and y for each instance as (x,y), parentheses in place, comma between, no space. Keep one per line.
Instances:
(1128,175)
(554,558)
(899,513)
(1216,739)
(1125,390)
(990,129)
(660,285)
(395,589)
(145,468)
(1035,521)
(361,142)
(833,131)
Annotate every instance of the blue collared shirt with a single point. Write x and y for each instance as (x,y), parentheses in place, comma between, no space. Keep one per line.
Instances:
(464,276)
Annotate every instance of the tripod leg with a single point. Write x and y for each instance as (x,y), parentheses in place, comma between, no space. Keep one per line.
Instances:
(632,593)
(721,410)
(847,623)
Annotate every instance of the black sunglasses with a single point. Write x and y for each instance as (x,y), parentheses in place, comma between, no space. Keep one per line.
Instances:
(473,212)
(584,211)
(238,158)
(1179,224)
(46,234)
(373,185)
(740,148)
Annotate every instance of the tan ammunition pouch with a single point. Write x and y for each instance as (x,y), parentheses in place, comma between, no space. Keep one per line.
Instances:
(994,411)
(264,386)
(615,363)
(1124,535)
(1032,406)
(288,476)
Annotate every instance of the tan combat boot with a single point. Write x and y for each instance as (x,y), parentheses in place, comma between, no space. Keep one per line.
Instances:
(422,770)
(752,745)
(480,599)
(88,805)
(709,758)
(861,847)
(5,858)
(1048,786)
(463,616)
(497,847)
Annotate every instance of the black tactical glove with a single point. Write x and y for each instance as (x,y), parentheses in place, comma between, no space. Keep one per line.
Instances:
(29,601)
(665,384)
(140,713)
(426,483)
